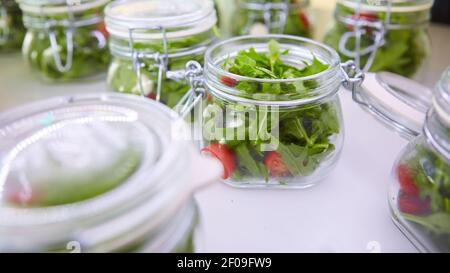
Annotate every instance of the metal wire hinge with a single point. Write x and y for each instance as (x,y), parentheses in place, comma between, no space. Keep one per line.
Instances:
(353,78)
(161,59)
(375,28)
(197,92)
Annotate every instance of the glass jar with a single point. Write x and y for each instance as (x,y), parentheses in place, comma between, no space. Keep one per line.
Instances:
(260,17)
(11,26)
(98,173)
(383,37)
(151,42)
(288,137)
(65,41)
(419,193)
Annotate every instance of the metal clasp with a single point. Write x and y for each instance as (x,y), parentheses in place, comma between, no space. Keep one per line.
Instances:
(377,29)
(55,47)
(161,59)
(195,79)
(269,11)
(70,28)
(353,78)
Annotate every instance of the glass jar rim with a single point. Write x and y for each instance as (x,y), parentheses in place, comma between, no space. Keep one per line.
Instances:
(264,5)
(124,16)
(397,7)
(335,63)
(332,73)
(441,99)
(49,7)
(152,185)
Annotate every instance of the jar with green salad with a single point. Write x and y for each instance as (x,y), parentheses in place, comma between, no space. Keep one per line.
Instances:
(383,35)
(260,17)
(274,117)
(419,192)
(65,40)
(98,173)
(11,26)
(152,40)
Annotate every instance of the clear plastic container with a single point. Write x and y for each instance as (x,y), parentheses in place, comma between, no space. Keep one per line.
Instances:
(151,42)
(11,26)
(419,192)
(64,41)
(98,173)
(383,37)
(260,17)
(285,133)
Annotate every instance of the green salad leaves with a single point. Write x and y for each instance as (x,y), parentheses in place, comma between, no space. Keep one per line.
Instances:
(250,21)
(271,143)
(426,177)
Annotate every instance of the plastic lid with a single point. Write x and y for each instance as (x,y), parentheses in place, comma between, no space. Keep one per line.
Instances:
(382,5)
(400,103)
(93,168)
(68,150)
(179,18)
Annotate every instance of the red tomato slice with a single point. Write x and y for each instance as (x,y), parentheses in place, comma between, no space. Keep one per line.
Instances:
(151,95)
(304,19)
(413,204)
(102,28)
(365,17)
(275,165)
(406,181)
(228,81)
(224,155)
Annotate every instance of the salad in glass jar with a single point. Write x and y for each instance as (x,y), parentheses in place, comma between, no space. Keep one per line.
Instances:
(420,192)
(391,37)
(259,17)
(11,26)
(273,118)
(65,42)
(151,42)
(90,173)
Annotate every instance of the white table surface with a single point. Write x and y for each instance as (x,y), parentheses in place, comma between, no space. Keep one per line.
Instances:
(347,212)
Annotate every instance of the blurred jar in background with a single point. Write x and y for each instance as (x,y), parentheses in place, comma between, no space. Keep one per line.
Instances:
(65,42)
(391,37)
(151,42)
(259,17)
(420,189)
(11,26)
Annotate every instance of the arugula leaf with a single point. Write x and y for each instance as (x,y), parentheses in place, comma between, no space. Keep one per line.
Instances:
(246,161)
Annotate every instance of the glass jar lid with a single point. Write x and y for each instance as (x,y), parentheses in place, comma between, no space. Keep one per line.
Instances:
(398,102)
(72,165)
(441,100)
(437,126)
(59,6)
(147,19)
(396,6)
